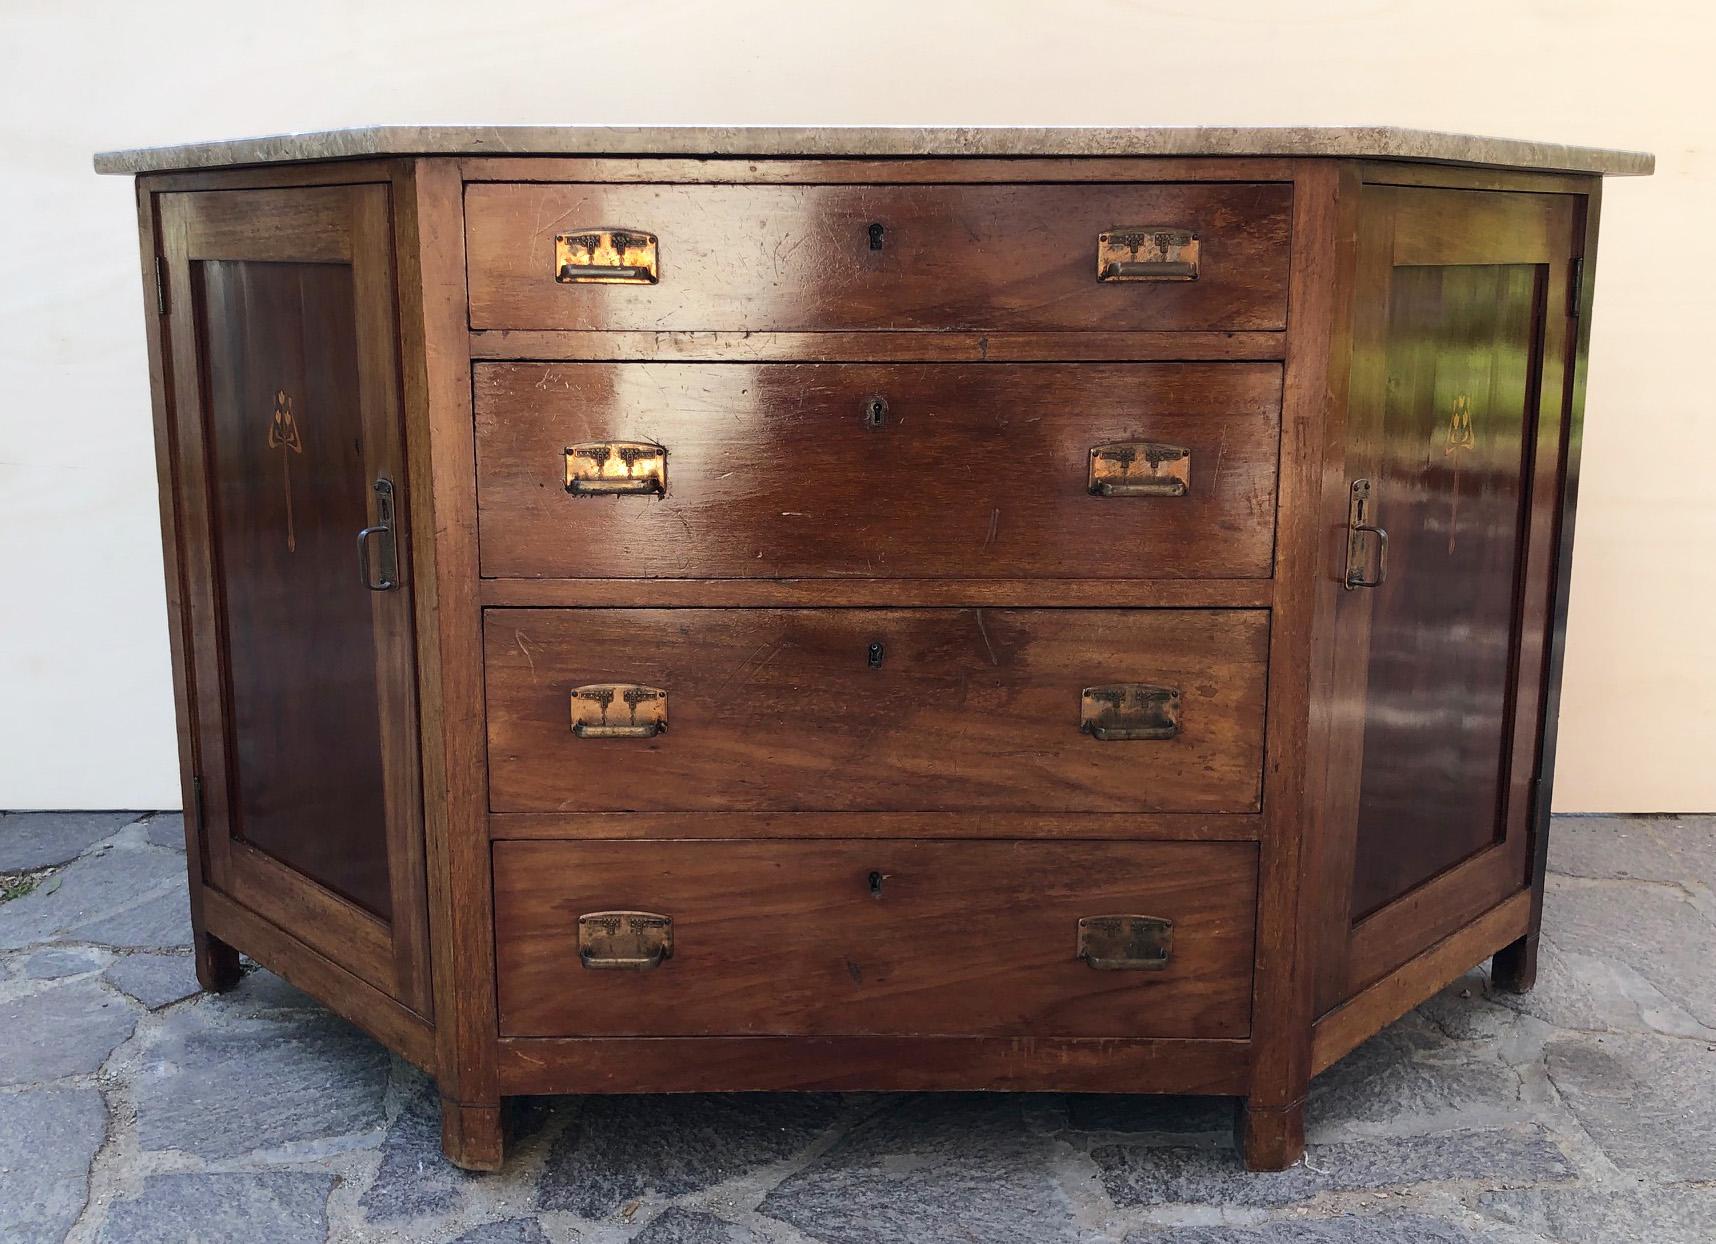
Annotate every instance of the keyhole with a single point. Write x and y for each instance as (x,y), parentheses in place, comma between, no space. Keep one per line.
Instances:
(877,229)
(875,654)
(876,885)
(876,412)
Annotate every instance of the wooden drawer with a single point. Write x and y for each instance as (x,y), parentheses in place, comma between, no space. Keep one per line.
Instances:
(964,471)
(874,709)
(902,938)
(785,258)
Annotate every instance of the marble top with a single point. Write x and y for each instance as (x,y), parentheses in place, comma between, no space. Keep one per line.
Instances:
(1375,142)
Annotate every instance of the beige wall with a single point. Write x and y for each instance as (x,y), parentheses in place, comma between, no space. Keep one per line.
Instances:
(85,707)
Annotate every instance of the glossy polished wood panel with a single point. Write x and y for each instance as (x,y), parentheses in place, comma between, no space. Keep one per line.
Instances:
(1449,487)
(796,258)
(877,471)
(782,710)
(290,493)
(894,938)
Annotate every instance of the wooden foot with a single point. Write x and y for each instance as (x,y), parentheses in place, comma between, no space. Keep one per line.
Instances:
(471,1135)
(1514,967)
(1270,1138)
(217,963)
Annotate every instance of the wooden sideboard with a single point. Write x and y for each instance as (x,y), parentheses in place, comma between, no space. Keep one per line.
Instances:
(1040,610)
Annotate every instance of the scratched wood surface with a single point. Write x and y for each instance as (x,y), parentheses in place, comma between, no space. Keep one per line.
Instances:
(779,709)
(896,938)
(975,471)
(764,258)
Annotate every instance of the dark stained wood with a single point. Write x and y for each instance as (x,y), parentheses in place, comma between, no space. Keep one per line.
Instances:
(1271,1129)
(1463,311)
(791,770)
(309,786)
(870,1064)
(830,593)
(779,710)
(217,963)
(866,347)
(310,802)
(976,471)
(932,170)
(1416,981)
(872,938)
(778,258)
(438,424)
(1182,827)
(398,1027)
(1515,966)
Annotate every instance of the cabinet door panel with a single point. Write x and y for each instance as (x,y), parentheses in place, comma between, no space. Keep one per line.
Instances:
(1453,443)
(286,423)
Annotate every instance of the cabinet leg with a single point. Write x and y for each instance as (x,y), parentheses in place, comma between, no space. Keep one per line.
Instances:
(217,963)
(471,1135)
(1270,1138)
(1514,967)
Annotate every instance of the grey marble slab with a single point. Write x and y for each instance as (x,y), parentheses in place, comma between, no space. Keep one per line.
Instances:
(1375,142)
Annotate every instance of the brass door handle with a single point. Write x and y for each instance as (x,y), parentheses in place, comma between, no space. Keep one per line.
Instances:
(1139,469)
(382,531)
(1130,712)
(1359,508)
(616,469)
(616,710)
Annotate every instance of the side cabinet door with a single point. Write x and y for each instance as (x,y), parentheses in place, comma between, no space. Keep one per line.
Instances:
(1454,442)
(290,488)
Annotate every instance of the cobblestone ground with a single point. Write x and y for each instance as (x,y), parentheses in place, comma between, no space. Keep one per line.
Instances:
(135,1109)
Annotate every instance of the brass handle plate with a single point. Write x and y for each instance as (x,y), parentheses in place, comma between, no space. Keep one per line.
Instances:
(1130,712)
(616,469)
(1140,469)
(606,256)
(1147,253)
(1125,943)
(618,710)
(626,941)
(1361,507)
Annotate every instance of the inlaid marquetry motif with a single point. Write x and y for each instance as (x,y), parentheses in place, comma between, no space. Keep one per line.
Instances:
(283,436)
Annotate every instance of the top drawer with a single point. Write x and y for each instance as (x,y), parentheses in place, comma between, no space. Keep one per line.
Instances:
(821,258)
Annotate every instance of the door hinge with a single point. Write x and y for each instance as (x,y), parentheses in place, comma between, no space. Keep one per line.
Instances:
(197,803)
(1576,289)
(160,286)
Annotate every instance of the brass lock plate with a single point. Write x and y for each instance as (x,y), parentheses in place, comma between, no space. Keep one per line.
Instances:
(1130,711)
(1147,253)
(1140,469)
(616,469)
(1125,943)
(610,256)
(633,941)
(618,710)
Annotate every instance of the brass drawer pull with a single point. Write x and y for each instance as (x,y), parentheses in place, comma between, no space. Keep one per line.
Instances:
(606,257)
(1125,943)
(1130,712)
(626,941)
(1147,253)
(616,469)
(618,710)
(1140,469)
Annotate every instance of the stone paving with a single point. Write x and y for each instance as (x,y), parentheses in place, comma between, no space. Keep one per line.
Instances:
(134,1108)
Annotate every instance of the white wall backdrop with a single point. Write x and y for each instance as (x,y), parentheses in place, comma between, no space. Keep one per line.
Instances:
(85,698)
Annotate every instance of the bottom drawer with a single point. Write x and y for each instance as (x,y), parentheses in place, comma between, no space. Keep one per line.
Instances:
(875,938)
